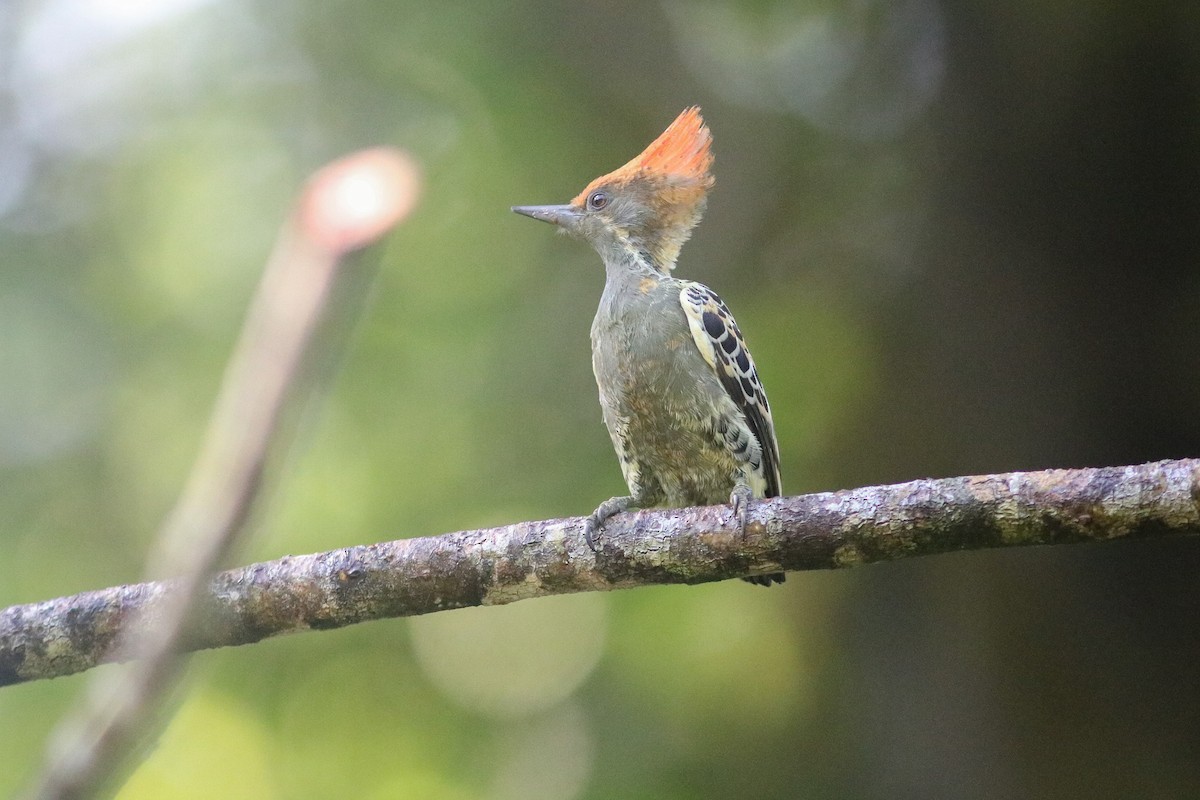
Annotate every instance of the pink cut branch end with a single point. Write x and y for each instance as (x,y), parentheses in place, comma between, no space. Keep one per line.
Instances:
(353,201)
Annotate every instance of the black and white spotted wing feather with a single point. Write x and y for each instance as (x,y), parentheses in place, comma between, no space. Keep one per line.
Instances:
(721,344)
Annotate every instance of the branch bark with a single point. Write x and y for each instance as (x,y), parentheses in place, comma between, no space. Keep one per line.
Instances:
(536,559)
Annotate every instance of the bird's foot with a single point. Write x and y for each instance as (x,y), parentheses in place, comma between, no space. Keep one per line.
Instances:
(593,523)
(740,499)
(766,580)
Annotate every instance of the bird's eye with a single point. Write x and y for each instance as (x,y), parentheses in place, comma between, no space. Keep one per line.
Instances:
(597,201)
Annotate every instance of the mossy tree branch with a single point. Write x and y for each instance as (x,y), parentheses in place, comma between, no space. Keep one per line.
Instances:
(536,559)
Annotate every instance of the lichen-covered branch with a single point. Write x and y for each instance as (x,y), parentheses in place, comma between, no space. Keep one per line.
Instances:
(536,559)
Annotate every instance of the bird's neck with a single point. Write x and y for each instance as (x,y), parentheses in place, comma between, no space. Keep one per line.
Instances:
(631,266)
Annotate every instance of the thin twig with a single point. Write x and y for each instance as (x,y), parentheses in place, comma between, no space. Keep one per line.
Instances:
(537,559)
(344,207)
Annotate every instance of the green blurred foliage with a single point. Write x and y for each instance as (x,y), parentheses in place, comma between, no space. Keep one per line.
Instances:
(959,239)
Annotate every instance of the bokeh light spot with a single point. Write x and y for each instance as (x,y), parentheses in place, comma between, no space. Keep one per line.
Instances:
(514,660)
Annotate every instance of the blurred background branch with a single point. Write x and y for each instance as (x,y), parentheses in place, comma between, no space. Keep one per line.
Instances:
(344,207)
(538,559)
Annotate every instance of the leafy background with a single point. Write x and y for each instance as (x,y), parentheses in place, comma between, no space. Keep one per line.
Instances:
(961,237)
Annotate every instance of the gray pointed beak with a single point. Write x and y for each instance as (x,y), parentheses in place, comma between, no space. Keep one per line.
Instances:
(564,216)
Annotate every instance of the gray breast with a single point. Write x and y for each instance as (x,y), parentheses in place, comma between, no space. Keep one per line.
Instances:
(661,400)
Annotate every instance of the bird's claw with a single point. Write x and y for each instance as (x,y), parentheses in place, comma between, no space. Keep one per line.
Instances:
(591,525)
(591,529)
(740,500)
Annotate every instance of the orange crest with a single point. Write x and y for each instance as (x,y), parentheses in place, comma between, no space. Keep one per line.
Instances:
(681,154)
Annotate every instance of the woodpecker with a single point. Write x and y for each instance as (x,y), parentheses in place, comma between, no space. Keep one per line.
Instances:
(680,394)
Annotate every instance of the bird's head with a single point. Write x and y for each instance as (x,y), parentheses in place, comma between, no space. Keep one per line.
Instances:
(647,207)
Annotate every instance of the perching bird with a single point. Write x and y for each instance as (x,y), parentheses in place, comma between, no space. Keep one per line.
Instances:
(680,394)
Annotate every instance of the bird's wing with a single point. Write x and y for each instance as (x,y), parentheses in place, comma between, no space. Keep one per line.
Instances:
(721,344)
